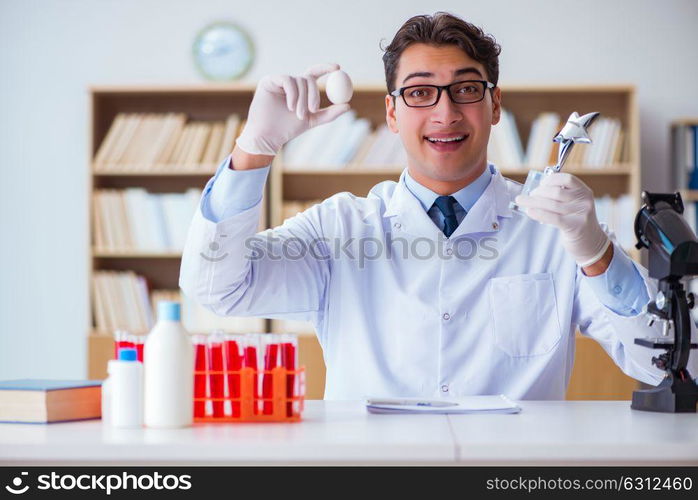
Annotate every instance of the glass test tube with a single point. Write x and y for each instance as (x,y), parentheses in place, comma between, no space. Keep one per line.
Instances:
(200,379)
(233,362)
(533,180)
(139,341)
(122,340)
(289,359)
(214,368)
(251,350)
(272,359)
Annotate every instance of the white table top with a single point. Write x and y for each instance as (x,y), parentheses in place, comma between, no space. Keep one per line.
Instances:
(577,433)
(330,432)
(343,432)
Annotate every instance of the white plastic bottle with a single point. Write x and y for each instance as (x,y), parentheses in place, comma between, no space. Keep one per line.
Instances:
(106,399)
(168,359)
(124,396)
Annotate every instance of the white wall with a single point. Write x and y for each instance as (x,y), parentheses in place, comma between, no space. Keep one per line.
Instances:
(51,51)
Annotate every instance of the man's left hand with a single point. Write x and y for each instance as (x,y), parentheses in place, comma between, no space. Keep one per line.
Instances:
(564,201)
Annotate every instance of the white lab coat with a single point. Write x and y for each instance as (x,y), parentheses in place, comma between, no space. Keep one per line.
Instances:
(439,326)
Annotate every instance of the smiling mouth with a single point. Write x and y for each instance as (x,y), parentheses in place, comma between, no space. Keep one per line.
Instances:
(446,140)
(446,144)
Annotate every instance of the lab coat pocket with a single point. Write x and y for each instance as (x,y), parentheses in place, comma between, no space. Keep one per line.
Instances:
(524,314)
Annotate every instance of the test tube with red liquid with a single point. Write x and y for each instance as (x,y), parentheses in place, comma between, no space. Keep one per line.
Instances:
(233,362)
(251,349)
(272,359)
(289,360)
(122,340)
(200,375)
(214,368)
(139,341)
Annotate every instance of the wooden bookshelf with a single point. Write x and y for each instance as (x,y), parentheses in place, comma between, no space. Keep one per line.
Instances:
(595,375)
(161,268)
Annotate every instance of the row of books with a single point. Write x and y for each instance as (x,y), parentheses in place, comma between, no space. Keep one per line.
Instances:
(146,142)
(685,156)
(505,147)
(150,142)
(350,141)
(122,300)
(619,215)
(346,140)
(134,220)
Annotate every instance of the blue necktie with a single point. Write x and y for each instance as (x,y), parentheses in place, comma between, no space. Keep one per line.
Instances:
(446,205)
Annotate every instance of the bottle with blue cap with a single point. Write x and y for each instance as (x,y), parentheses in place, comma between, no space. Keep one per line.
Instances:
(122,392)
(168,359)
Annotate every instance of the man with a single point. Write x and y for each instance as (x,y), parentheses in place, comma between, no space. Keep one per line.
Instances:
(445,291)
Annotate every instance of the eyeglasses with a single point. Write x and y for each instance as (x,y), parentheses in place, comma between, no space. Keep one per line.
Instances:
(423,96)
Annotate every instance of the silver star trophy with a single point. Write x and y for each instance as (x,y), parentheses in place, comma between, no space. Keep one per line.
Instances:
(575,131)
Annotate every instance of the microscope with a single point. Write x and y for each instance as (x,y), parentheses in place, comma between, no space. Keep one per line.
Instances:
(673,255)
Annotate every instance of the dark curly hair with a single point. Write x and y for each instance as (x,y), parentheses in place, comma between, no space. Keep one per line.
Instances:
(442,29)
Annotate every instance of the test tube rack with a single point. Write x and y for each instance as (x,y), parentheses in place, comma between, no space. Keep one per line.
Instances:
(283,401)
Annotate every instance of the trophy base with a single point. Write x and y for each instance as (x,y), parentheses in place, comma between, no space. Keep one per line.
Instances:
(532,182)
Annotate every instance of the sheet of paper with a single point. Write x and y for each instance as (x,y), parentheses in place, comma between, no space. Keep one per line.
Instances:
(497,403)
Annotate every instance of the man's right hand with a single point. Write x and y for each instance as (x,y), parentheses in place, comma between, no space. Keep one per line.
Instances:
(283,107)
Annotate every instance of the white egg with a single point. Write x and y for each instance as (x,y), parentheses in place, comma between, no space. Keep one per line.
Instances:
(338,87)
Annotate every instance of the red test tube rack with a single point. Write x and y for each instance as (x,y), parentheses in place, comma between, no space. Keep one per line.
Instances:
(248,378)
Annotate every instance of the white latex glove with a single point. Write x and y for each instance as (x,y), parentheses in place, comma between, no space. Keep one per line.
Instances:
(564,201)
(283,107)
